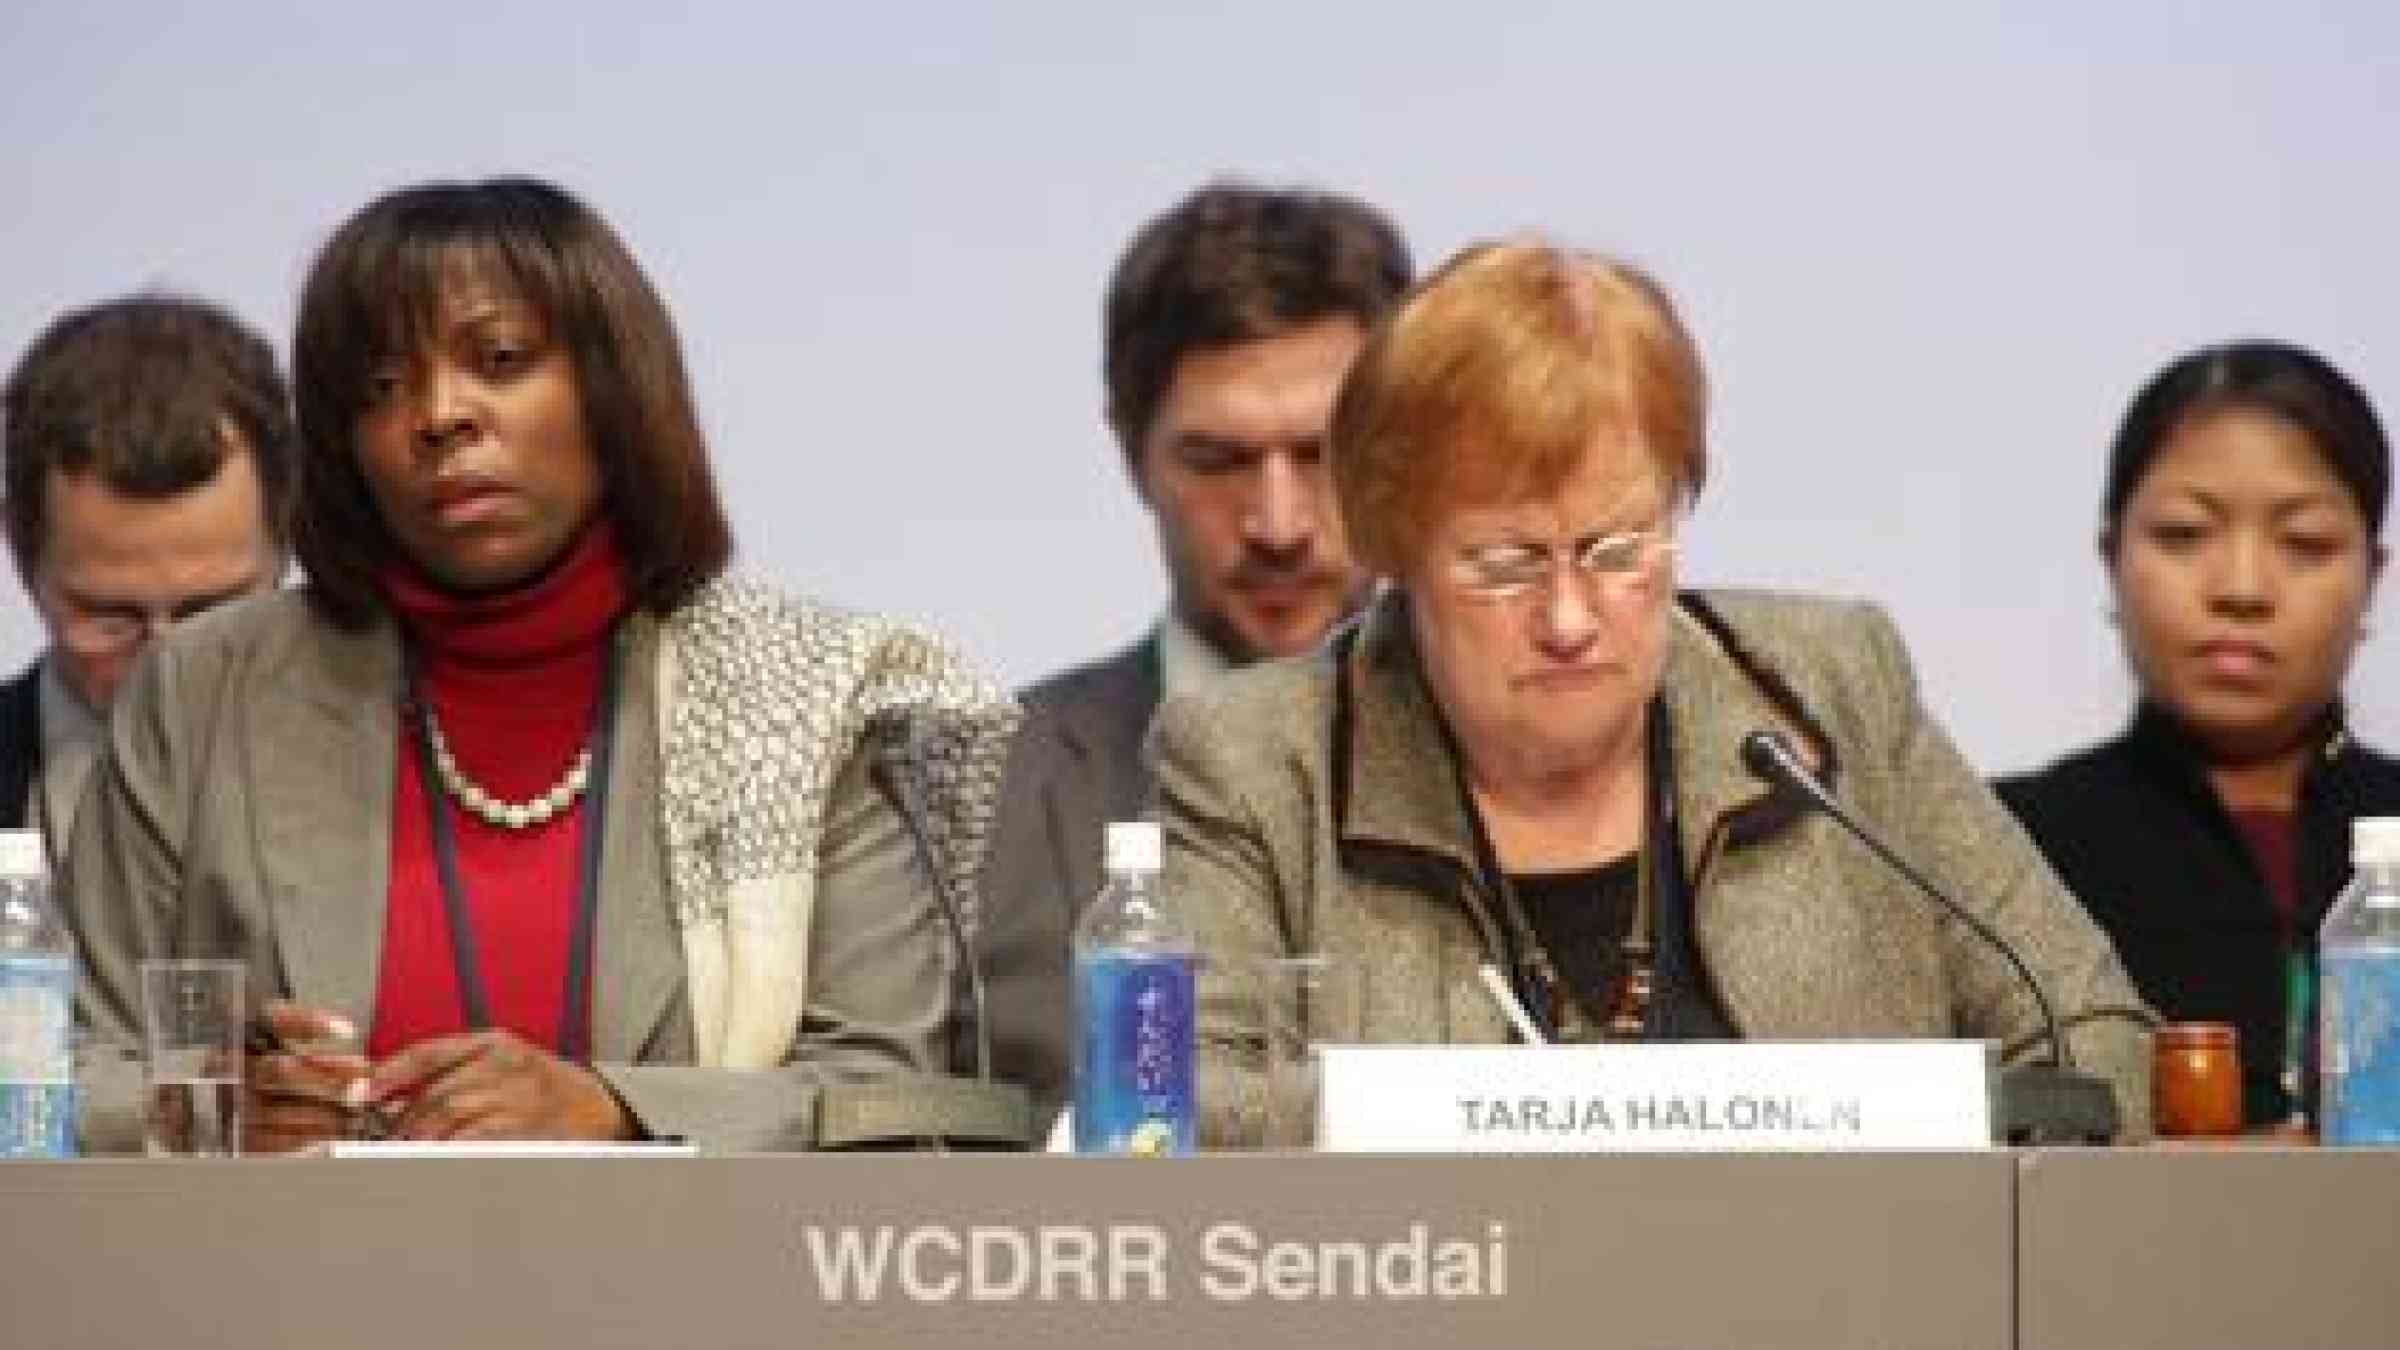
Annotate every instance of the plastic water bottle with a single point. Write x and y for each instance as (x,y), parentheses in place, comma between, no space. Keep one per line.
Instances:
(2358,951)
(37,1008)
(1133,1009)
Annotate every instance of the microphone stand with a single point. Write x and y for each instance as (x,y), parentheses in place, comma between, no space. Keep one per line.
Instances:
(2033,1104)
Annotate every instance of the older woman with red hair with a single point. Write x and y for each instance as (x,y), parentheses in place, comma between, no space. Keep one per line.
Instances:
(1526,755)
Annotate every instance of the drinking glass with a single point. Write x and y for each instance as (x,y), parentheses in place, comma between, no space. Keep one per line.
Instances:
(192,1033)
(1305,1002)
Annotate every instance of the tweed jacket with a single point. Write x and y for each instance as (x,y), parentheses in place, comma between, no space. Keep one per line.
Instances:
(1312,806)
(244,811)
(1075,765)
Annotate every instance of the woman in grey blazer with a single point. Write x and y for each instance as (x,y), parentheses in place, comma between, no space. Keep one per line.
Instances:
(1527,753)
(580,836)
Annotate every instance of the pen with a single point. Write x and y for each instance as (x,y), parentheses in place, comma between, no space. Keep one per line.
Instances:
(1496,984)
(367,1120)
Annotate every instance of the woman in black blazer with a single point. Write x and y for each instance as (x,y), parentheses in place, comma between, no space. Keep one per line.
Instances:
(2241,528)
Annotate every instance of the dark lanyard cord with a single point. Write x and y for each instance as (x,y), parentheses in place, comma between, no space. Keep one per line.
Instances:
(574,1012)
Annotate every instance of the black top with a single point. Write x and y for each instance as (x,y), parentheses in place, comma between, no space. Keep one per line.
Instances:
(1581,918)
(20,744)
(2138,833)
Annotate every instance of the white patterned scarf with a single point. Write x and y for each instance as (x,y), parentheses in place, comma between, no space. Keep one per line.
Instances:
(763,697)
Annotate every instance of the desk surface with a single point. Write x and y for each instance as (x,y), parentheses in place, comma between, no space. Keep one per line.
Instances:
(2189,1250)
(1660,1252)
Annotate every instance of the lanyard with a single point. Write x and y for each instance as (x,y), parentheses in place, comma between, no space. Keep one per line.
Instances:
(574,1009)
(2298,967)
(2299,1022)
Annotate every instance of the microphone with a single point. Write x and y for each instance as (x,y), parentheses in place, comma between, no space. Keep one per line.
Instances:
(903,1111)
(2037,1104)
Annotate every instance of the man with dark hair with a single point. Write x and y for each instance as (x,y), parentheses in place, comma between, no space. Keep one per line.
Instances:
(1229,323)
(148,457)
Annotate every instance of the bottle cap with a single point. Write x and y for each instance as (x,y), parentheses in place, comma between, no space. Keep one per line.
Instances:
(21,854)
(2375,840)
(1132,846)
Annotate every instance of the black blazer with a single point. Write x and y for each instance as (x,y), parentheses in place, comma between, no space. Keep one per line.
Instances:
(20,744)
(2137,832)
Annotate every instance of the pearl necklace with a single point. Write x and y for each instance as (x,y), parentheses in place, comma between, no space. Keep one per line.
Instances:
(493,811)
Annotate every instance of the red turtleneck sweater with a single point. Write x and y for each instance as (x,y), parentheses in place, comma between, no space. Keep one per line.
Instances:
(512,679)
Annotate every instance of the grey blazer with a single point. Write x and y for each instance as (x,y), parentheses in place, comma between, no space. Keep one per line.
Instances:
(1283,839)
(244,810)
(1075,765)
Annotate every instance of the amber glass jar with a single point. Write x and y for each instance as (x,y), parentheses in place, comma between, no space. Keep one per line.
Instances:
(2196,1080)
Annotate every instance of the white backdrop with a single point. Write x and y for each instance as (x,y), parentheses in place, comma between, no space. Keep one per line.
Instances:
(1929,249)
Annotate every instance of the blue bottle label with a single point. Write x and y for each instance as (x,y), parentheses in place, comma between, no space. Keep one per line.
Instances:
(37,1090)
(1133,1086)
(2361,1052)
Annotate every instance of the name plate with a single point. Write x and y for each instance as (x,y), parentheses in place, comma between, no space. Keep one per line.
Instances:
(499,1148)
(1718,1096)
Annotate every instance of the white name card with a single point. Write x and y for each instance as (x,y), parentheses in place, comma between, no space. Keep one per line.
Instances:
(502,1148)
(1721,1096)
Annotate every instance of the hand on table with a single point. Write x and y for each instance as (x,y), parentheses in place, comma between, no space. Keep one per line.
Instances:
(494,1085)
(307,1090)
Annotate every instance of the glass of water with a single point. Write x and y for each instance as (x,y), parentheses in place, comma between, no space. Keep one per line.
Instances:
(1305,1002)
(193,1025)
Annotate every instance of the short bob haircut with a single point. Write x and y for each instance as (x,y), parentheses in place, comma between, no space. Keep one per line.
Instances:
(374,293)
(1234,263)
(1490,381)
(2277,378)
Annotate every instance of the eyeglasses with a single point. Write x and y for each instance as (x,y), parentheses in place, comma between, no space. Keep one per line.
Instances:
(1509,571)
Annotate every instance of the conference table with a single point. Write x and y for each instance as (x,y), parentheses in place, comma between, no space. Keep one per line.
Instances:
(2284,1248)
(2064,1248)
